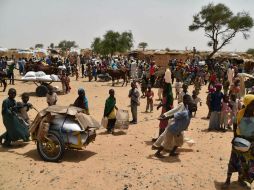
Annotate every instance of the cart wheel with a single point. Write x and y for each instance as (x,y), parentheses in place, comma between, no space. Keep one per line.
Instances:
(41,91)
(52,148)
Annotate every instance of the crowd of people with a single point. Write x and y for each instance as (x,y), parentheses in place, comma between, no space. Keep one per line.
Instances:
(228,106)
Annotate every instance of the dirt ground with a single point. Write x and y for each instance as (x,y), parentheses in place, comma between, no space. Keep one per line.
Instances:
(122,161)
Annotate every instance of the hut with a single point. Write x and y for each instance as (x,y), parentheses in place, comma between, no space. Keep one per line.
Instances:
(10,53)
(161,57)
(3,51)
(86,52)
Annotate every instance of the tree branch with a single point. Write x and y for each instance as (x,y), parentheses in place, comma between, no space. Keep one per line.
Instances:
(208,35)
(223,31)
(227,40)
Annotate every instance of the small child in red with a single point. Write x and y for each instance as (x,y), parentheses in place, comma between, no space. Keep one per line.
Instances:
(149,97)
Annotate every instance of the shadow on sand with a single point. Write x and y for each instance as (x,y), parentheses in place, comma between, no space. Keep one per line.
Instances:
(14,146)
(116,133)
(69,155)
(149,143)
(233,186)
(215,131)
(166,158)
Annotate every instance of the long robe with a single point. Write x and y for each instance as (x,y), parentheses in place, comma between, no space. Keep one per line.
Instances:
(230,74)
(15,129)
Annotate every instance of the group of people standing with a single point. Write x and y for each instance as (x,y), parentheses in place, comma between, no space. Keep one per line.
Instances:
(225,109)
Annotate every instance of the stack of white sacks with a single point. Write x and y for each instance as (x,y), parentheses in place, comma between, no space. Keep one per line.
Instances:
(39,76)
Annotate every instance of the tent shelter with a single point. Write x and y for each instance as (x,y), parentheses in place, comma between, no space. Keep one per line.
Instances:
(24,54)
(40,53)
(3,51)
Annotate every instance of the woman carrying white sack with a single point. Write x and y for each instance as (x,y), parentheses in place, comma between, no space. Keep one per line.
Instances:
(172,137)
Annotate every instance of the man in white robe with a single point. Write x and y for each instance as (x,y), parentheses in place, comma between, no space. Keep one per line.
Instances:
(230,74)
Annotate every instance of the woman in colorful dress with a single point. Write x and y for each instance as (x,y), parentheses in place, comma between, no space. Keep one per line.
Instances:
(243,162)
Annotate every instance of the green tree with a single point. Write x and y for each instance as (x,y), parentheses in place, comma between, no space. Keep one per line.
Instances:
(112,42)
(125,42)
(51,45)
(250,51)
(38,46)
(221,25)
(96,45)
(142,45)
(65,44)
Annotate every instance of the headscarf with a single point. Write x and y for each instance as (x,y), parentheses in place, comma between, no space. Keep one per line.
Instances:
(246,101)
(218,86)
(211,90)
(81,90)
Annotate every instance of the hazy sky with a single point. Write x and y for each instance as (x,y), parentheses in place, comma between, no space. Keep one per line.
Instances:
(160,23)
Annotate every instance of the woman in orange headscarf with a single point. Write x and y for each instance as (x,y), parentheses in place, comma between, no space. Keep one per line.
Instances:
(243,161)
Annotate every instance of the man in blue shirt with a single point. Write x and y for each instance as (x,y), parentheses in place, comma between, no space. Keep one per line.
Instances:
(48,61)
(172,138)
(114,65)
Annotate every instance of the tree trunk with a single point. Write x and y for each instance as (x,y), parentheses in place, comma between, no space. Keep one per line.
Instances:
(215,49)
(211,54)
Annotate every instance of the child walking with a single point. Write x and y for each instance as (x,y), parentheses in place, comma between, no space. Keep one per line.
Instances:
(196,100)
(235,107)
(226,85)
(143,86)
(24,107)
(225,112)
(184,91)
(149,97)
(208,102)
(178,86)
(110,111)
(76,72)
(197,84)
(51,96)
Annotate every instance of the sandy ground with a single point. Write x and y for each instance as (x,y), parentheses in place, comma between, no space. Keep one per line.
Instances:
(123,161)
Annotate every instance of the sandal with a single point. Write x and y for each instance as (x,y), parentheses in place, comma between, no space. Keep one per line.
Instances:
(174,154)
(158,155)
(225,185)
(242,183)
(155,147)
